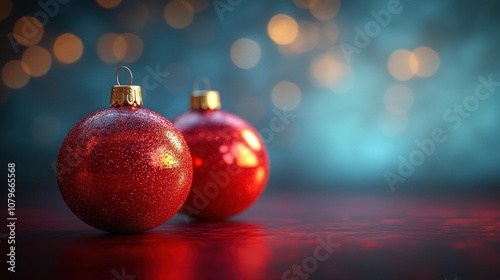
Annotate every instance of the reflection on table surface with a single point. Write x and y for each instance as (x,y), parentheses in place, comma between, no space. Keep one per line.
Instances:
(281,237)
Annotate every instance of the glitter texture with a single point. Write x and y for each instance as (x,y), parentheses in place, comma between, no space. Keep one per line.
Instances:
(230,163)
(124,169)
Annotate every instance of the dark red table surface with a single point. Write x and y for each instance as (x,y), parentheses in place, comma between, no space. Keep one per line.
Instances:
(378,237)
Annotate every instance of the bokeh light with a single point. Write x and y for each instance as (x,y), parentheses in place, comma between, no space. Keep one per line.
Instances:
(5,9)
(402,64)
(327,71)
(282,29)
(108,4)
(286,95)
(68,48)
(113,48)
(392,125)
(245,53)
(28,31)
(267,56)
(428,61)
(346,82)
(398,99)
(119,47)
(307,39)
(13,75)
(106,47)
(134,47)
(178,14)
(324,9)
(36,61)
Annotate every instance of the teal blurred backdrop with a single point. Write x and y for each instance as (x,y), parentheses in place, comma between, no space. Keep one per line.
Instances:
(356,95)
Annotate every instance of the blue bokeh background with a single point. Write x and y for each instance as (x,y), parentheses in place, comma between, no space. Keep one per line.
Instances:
(336,139)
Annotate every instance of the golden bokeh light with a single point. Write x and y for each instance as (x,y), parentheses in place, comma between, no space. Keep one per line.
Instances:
(68,48)
(13,75)
(428,61)
(178,14)
(106,46)
(112,48)
(119,47)
(108,4)
(398,99)
(326,70)
(330,71)
(5,9)
(346,82)
(28,31)
(282,29)
(307,39)
(286,95)
(36,61)
(245,53)
(134,47)
(324,9)
(392,125)
(402,64)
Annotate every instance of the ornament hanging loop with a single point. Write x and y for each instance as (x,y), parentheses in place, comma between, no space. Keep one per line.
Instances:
(118,75)
(206,83)
(125,95)
(204,99)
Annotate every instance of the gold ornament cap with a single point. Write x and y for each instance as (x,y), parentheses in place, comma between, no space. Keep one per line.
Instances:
(128,95)
(205,99)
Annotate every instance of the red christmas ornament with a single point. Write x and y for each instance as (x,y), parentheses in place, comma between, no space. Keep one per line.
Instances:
(230,160)
(125,168)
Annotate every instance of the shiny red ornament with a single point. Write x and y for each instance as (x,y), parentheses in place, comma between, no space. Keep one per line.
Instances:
(230,160)
(124,169)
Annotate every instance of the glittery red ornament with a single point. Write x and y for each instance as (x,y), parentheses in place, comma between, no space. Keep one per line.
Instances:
(230,160)
(124,169)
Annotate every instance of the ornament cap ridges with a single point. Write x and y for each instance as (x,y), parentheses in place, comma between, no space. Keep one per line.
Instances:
(125,95)
(204,99)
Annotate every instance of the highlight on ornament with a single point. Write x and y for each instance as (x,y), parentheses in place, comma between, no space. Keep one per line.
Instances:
(230,159)
(125,168)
